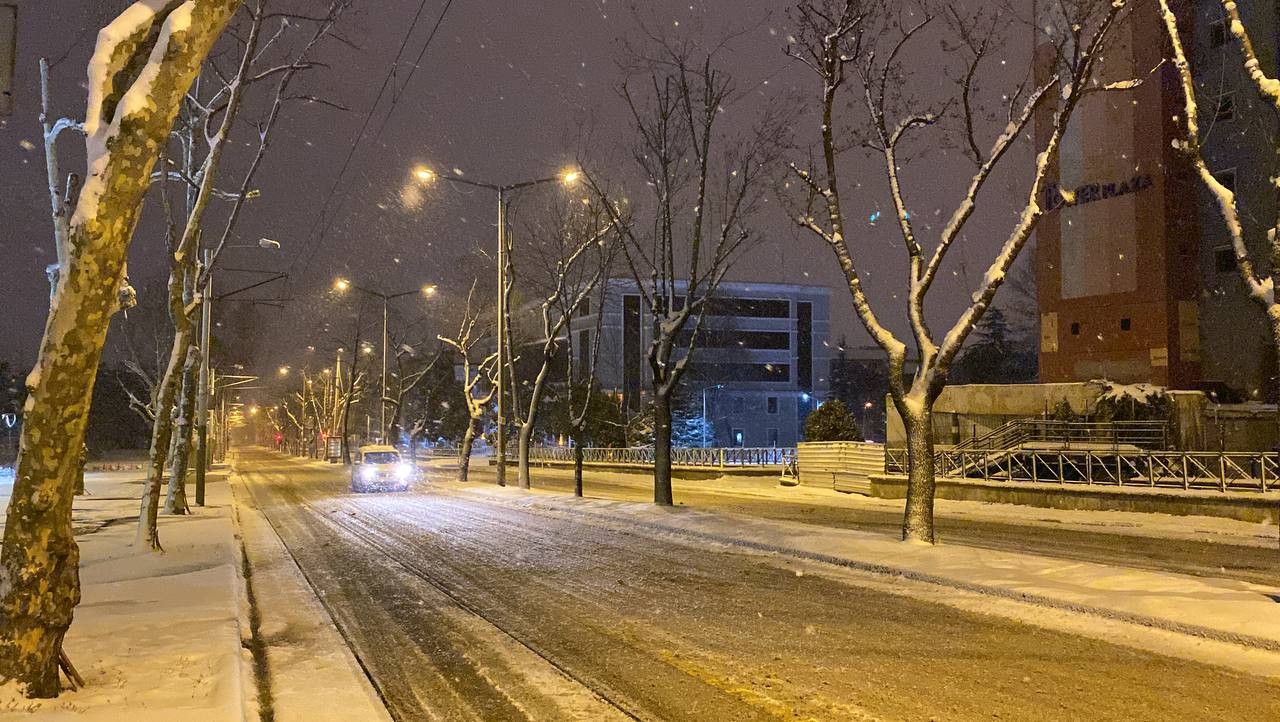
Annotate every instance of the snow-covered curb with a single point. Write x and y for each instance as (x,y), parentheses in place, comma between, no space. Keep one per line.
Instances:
(156,636)
(307,658)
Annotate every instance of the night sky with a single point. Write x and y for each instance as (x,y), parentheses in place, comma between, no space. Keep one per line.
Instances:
(504,93)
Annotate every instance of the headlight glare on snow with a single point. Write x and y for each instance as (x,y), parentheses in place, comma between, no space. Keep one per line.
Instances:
(403,471)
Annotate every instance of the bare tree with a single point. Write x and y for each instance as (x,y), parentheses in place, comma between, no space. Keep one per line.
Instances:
(705,183)
(142,66)
(475,373)
(862,43)
(208,124)
(567,262)
(1259,283)
(581,380)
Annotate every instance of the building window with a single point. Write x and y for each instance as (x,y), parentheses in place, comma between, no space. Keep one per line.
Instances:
(1224,259)
(1075,329)
(731,338)
(1227,178)
(1226,107)
(739,405)
(748,307)
(804,345)
(740,372)
(631,352)
(1218,33)
(771,404)
(1125,324)
(739,437)
(773,437)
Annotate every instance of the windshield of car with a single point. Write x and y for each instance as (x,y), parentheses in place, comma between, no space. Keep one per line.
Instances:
(381,457)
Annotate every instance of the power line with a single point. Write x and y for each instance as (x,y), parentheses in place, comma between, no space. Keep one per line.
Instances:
(326,218)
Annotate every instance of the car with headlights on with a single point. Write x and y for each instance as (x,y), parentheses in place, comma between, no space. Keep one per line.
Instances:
(380,468)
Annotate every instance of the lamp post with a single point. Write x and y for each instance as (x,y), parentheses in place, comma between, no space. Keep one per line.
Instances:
(567,177)
(341,285)
(206,332)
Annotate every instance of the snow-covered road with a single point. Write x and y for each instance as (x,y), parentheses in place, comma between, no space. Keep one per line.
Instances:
(460,606)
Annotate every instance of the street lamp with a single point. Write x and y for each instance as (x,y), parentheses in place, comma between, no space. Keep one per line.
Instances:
(283,371)
(342,285)
(566,177)
(206,345)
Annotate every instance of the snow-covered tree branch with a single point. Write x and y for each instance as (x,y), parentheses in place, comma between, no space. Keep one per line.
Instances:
(864,41)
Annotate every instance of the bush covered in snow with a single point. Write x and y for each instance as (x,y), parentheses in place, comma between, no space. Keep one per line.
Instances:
(832,421)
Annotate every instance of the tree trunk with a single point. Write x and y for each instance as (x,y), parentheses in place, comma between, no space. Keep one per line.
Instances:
(161,437)
(577,468)
(525,439)
(176,500)
(662,450)
(917,520)
(39,559)
(464,452)
(346,432)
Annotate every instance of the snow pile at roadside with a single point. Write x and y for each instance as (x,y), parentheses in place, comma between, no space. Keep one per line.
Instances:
(156,636)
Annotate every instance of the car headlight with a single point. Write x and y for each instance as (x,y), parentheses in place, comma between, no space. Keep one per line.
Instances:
(403,471)
(368,473)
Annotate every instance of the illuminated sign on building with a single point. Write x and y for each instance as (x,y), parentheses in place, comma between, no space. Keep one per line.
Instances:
(1055,198)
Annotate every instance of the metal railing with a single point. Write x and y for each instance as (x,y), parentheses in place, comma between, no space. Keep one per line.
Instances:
(710,457)
(1142,434)
(1221,471)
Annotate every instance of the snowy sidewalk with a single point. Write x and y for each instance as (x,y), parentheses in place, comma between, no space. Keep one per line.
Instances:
(1238,615)
(306,657)
(156,636)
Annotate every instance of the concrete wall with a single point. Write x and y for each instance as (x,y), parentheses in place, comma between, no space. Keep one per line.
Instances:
(974,409)
(965,411)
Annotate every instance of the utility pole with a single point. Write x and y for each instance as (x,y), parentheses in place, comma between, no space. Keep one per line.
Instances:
(202,397)
(502,337)
(382,402)
(567,177)
(206,337)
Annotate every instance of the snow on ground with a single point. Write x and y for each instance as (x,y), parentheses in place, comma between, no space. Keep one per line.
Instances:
(307,656)
(1165,526)
(156,636)
(1242,616)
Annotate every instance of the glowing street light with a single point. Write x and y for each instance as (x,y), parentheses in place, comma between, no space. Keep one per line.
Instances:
(342,285)
(284,371)
(568,177)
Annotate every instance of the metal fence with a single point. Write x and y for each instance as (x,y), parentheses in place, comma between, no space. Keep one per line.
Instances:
(1142,434)
(1221,471)
(711,457)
